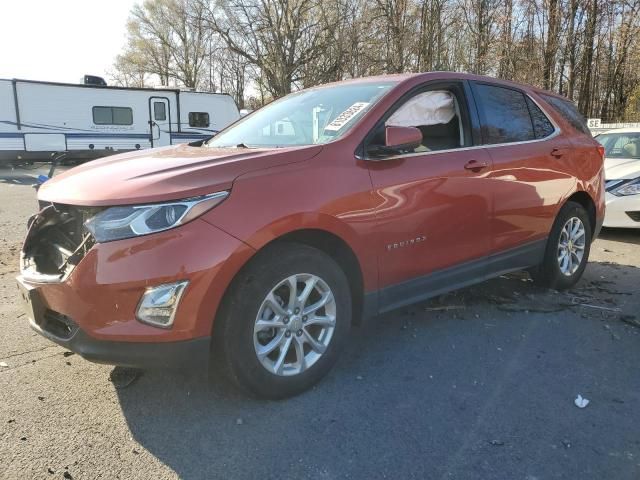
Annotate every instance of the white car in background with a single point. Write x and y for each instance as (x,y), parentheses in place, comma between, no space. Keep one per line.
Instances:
(622,174)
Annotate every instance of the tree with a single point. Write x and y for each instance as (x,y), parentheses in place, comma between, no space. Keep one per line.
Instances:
(585,101)
(129,71)
(234,73)
(551,45)
(169,39)
(588,50)
(277,36)
(480,17)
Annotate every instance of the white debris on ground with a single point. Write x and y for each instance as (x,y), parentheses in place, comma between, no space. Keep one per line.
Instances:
(581,402)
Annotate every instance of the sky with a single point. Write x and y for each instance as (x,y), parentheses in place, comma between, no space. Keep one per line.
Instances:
(61,40)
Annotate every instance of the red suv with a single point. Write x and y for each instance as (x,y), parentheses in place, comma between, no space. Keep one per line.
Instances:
(258,249)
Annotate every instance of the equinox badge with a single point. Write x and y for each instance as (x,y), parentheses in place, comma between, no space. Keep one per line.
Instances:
(406,243)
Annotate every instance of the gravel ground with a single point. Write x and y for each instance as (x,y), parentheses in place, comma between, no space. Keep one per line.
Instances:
(476,384)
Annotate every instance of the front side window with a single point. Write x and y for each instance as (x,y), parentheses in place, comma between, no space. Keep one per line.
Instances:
(112,115)
(309,117)
(621,145)
(436,113)
(569,111)
(199,119)
(504,114)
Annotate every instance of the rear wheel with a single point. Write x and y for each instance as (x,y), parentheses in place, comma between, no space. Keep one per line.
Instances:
(567,250)
(284,321)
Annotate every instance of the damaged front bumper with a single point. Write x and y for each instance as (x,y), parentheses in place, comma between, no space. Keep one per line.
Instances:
(64,331)
(187,354)
(84,295)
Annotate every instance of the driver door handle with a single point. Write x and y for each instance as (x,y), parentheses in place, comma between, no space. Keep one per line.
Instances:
(475,166)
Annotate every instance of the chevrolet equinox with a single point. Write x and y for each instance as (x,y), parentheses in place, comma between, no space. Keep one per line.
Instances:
(257,250)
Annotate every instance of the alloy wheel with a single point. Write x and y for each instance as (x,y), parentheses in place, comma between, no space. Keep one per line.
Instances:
(295,324)
(571,246)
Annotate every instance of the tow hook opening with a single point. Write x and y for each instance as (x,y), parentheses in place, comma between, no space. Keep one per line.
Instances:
(58,325)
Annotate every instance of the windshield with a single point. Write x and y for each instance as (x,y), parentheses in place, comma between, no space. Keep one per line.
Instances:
(308,117)
(621,145)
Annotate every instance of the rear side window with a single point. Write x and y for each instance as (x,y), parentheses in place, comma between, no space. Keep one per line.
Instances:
(542,126)
(112,116)
(505,115)
(570,113)
(198,119)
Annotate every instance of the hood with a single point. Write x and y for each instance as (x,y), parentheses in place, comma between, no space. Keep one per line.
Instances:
(621,168)
(161,174)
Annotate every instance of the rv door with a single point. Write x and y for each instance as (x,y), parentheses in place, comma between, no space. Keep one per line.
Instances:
(160,121)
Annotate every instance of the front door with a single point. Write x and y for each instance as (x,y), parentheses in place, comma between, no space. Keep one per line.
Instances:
(160,121)
(433,203)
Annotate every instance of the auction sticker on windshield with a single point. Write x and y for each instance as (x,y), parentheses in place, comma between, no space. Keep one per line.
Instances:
(342,119)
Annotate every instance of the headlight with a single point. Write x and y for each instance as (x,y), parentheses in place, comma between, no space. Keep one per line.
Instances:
(116,223)
(630,188)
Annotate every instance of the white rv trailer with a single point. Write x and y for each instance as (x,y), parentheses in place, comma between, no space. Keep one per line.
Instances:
(38,119)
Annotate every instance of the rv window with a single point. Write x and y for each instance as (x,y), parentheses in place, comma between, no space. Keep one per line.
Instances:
(159,111)
(112,116)
(198,119)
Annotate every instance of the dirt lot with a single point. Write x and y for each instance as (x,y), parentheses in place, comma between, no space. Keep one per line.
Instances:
(476,384)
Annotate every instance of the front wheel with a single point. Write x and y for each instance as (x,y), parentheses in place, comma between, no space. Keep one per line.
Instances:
(567,250)
(284,321)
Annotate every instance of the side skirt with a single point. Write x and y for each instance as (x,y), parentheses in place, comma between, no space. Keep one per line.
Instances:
(453,278)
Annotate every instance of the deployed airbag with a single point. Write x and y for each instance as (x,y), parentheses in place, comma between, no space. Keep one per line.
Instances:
(428,108)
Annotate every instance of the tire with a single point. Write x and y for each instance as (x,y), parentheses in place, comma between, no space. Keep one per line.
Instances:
(238,336)
(560,274)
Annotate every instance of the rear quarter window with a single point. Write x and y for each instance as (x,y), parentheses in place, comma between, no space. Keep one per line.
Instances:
(569,112)
(542,126)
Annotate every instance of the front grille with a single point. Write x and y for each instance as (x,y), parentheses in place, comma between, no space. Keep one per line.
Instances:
(57,240)
(635,216)
(57,324)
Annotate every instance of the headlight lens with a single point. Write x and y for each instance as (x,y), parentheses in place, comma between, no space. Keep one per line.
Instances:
(631,188)
(116,223)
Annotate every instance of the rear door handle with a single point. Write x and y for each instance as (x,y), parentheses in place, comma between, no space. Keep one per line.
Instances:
(475,166)
(558,152)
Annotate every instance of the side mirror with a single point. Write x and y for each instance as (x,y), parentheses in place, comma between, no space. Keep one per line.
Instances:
(398,139)
(402,138)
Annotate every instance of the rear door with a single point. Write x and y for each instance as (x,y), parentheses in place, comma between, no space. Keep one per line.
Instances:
(529,175)
(433,203)
(160,121)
